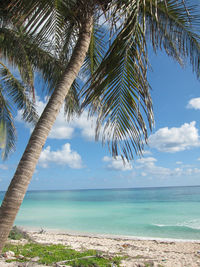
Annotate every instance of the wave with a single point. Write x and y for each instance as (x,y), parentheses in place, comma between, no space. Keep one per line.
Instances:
(194,225)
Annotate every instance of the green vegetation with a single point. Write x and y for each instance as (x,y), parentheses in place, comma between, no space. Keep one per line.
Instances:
(49,254)
(17,234)
(149,264)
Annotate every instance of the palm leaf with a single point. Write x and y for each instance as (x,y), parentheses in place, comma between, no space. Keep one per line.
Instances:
(173,26)
(45,17)
(13,95)
(7,128)
(72,105)
(96,51)
(120,91)
(17,94)
(30,55)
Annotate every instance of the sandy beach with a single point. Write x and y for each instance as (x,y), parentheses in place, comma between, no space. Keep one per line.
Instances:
(139,252)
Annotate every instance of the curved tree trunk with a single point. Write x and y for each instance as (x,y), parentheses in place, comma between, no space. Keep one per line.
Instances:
(22,177)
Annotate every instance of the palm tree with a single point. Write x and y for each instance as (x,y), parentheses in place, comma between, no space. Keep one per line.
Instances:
(117,88)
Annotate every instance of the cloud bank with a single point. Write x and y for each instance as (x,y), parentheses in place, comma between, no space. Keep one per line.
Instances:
(65,156)
(117,164)
(175,139)
(148,167)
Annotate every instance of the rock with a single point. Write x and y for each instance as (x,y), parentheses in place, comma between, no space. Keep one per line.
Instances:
(20,256)
(35,259)
(21,264)
(126,245)
(9,254)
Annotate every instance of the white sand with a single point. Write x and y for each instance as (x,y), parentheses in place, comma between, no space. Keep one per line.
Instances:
(157,252)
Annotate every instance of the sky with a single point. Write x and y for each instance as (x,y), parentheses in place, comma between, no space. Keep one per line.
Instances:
(71,159)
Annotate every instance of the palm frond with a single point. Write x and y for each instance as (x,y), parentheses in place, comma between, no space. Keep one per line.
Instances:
(68,39)
(13,46)
(72,105)
(96,52)
(28,55)
(46,18)
(17,94)
(7,128)
(119,91)
(173,26)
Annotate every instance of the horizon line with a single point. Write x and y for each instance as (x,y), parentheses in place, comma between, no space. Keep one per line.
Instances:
(117,188)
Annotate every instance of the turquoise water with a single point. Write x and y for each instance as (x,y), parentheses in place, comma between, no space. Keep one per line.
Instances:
(172,212)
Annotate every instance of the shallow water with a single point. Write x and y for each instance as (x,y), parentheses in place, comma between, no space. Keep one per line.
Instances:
(172,212)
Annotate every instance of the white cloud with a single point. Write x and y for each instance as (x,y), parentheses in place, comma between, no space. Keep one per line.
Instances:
(192,171)
(146,152)
(175,139)
(179,162)
(146,161)
(194,103)
(85,125)
(65,156)
(117,164)
(148,167)
(62,129)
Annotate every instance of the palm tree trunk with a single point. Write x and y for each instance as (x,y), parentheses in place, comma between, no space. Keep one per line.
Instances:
(22,177)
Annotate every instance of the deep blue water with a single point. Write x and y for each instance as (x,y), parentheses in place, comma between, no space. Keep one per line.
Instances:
(172,212)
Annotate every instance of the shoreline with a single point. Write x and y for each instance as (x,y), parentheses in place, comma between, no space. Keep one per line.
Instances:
(138,252)
(99,235)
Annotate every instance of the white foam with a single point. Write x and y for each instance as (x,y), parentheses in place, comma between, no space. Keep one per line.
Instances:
(193,224)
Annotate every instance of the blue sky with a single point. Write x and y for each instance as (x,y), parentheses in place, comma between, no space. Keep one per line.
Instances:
(71,159)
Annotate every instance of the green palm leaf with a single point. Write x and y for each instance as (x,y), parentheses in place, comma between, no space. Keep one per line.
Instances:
(174,27)
(72,104)
(17,94)
(7,128)
(12,94)
(119,91)
(96,51)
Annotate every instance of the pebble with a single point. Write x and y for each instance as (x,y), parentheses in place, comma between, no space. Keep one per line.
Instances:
(9,254)
(35,259)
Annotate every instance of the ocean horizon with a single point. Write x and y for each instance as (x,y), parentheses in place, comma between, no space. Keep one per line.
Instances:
(149,212)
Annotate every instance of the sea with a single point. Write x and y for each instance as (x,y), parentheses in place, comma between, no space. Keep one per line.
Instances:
(168,212)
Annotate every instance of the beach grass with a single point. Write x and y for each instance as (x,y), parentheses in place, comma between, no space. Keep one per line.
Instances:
(18,234)
(50,254)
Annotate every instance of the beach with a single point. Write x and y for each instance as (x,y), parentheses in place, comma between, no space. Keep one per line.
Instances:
(159,227)
(138,252)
